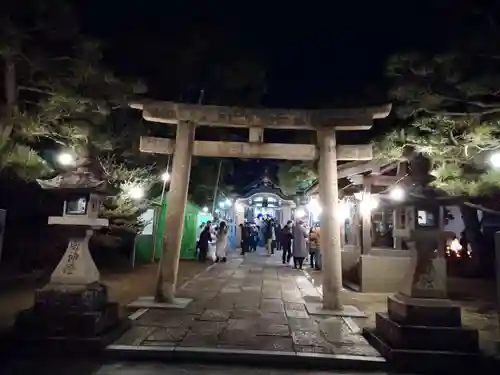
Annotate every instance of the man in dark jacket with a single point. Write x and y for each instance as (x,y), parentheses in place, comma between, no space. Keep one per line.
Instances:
(286,241)
(245,239)
(277,232)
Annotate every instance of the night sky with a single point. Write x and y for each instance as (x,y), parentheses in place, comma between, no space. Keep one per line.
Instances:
(315,56)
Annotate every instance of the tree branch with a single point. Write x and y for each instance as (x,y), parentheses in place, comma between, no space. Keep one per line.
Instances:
(461,114)
(481,208)
(471,102)
(34,89)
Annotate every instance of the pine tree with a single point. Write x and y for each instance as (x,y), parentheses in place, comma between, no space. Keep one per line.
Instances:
(448,107)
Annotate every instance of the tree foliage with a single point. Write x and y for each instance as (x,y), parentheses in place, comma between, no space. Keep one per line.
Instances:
(294,178)
(448,105)
(59,96)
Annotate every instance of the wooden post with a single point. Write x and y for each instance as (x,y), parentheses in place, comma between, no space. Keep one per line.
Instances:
(330,225)
(216,187)
(176,205)
(342,233)
(342,223)
(398,212)
(355,234)
(366,219)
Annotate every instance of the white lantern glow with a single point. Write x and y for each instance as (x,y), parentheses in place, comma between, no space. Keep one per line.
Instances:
(314,208)
(495,160)
(300,213)
(65,159)
(165,176)
(344,210)
(136,192)
(397,193)
(368,204)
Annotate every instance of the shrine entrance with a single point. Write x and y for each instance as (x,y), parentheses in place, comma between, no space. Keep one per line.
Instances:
(324,122)
(262,198)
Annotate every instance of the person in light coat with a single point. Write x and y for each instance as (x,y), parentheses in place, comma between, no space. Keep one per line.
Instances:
(221,243)
(314,248)
(299,247)
(270,236)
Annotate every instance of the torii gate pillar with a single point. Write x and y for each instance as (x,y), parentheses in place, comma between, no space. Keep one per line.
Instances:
(330,241)
(176,205)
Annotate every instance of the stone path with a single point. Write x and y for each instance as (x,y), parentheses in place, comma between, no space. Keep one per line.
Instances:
(195,369)
(254,304)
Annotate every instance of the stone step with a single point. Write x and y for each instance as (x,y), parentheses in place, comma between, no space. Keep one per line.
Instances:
(424,361)
(71,324)
(427,312)
(450,339)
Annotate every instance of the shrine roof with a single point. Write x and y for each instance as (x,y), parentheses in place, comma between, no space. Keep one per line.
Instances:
(359,168)
(264,185)
(76,181)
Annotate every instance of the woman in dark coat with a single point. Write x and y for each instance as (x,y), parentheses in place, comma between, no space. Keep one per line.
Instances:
(205,238)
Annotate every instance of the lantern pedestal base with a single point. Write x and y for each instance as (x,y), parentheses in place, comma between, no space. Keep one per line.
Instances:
(64,314)
(423,334)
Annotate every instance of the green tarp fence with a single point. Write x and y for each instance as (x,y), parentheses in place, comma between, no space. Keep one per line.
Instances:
(192,220)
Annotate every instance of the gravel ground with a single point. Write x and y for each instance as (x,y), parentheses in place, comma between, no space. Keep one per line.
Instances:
(124,287)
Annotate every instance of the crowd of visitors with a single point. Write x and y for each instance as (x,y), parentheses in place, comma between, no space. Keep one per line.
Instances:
(294,239)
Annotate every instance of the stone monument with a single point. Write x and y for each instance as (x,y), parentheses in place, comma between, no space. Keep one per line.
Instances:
(421,329)
(74,305)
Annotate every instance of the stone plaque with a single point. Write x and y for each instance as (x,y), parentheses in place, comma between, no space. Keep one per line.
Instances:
(72,257)
(76,266)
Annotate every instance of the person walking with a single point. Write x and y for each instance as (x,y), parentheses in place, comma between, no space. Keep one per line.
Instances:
(254,238)
(269,236)
(314,250)
(300,236)
(245,239)
(273,237)
(286,240)
(221,243)
(203,242)
(277,233)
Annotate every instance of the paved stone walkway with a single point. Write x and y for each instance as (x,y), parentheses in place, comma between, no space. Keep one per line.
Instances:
(193,369)
(254,303)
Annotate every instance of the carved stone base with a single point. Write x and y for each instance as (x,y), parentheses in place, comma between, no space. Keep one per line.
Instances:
(431,312)
(69,313)
(77,298)
(446,339)
(422,334)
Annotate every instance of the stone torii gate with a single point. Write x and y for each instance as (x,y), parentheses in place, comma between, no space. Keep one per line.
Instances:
(325,122)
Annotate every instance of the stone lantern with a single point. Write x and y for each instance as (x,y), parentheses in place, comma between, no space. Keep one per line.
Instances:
(421,329)
(74,304)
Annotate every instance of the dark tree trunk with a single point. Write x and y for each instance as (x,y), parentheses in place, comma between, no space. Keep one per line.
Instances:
(10,87)
(476,239)
(10,106)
